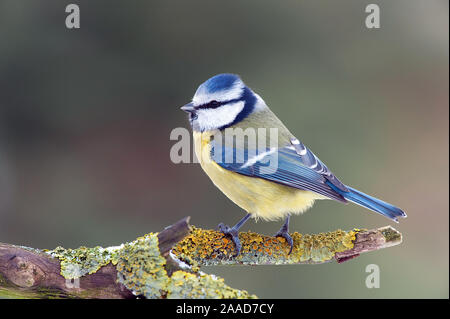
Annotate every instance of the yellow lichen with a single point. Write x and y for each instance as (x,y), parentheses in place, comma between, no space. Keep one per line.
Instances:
(83,260)
(184,285)
(141,269)
(212,247)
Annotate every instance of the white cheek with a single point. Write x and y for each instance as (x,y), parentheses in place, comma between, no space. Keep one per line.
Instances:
(210,119)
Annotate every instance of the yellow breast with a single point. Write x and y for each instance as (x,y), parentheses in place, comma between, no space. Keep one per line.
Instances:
(257,196)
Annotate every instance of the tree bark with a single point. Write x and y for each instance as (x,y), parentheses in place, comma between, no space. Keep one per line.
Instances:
(33,273)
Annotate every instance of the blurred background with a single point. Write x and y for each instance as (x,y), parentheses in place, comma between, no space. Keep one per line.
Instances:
(86,114)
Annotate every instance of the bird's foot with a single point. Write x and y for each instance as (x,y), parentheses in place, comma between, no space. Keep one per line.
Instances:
(232,233)
(285,234)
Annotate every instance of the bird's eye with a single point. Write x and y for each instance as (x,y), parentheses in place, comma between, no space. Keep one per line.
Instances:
(213,104)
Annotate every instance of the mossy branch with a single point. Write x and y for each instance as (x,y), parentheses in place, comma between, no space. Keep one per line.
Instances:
(166,264)
(208,247)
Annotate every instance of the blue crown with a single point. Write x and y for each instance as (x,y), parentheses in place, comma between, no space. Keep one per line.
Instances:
(220,82)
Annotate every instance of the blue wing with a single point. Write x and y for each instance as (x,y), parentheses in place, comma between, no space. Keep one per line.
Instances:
(295,166)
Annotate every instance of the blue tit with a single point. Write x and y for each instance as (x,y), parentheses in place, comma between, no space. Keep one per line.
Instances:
(224,102)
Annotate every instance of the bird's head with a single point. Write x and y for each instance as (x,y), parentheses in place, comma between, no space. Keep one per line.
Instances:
(221,102)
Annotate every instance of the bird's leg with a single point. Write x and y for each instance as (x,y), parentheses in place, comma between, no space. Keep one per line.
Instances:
(233,233)
(284,232)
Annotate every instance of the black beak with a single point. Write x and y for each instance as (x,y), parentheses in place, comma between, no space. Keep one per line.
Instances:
(188,108)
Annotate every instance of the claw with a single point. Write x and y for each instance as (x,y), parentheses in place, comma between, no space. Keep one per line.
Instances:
(288,238)
(233,234)
(284,232)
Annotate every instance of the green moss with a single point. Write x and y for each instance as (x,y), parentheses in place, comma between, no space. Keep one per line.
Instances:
(391,234)
(142,269)
(14,294)
(39,293)
(78,262)
(48,293)
(3,281)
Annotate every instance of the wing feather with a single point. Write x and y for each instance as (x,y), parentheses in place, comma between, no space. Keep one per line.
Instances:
(292,169)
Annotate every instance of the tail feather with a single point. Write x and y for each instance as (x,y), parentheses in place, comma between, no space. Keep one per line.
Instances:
(372,203)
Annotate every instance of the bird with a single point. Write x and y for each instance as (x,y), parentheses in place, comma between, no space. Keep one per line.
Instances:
(224,103)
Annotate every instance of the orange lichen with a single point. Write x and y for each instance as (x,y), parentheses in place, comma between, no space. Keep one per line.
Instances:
(212,247)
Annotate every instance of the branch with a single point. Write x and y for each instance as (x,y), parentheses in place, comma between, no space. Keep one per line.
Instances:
(207,247)
(166,264)
(33,273)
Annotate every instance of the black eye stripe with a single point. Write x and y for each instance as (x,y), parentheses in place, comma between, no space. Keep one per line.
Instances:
(215,104)
(211,105)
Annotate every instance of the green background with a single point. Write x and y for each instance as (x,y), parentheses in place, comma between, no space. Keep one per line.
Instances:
(85,118)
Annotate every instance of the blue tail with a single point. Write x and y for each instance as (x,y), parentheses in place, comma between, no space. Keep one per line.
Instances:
(370,202)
